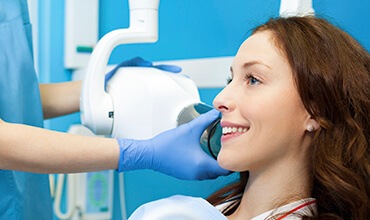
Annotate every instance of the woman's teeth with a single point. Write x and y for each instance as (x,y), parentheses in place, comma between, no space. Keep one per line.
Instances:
(229,130)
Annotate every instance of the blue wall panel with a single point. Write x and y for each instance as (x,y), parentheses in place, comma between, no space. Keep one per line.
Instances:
(351,16)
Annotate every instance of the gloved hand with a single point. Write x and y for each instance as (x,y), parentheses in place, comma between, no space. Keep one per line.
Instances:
(175,152)
(138,61)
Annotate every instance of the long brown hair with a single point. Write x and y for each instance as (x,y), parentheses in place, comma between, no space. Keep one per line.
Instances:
(332,74)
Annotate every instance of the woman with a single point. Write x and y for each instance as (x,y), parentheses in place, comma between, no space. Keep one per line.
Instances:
(313,127)
(295,118)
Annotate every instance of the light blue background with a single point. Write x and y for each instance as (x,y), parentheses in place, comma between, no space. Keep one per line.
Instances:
(187,29)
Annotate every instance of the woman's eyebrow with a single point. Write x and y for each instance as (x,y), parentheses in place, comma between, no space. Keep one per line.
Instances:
(255,62)
(251,63)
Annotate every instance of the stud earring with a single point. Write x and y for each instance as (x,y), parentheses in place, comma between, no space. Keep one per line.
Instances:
(310,128)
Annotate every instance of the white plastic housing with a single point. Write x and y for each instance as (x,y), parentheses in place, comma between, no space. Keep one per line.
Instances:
(147,101)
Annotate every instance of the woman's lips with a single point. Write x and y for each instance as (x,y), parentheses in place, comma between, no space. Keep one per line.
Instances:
(231,130)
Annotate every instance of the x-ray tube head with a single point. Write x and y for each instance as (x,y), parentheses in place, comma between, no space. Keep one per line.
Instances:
(147,101)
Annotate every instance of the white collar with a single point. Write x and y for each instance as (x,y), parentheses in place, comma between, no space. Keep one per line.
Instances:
(304,206)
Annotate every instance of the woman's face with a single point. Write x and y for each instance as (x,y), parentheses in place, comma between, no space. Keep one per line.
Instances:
(263,117)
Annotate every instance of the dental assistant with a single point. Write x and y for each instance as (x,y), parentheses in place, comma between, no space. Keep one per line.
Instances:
(28,152)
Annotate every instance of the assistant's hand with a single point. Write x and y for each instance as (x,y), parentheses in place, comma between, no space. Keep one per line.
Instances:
(175,152)
(138,61)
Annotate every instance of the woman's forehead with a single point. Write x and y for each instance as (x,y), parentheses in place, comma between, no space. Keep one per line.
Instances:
(259,47)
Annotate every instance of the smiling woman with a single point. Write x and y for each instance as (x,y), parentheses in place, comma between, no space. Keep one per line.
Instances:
(295,118)
(262,97)
(308,124)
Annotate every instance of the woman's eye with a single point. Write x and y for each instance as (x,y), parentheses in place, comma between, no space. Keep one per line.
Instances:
(251,79)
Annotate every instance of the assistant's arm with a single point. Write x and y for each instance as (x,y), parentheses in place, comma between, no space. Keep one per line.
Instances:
(60,98)
(37,150)
(175,152)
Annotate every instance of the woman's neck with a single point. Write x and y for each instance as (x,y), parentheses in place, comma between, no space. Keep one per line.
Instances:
(285,182)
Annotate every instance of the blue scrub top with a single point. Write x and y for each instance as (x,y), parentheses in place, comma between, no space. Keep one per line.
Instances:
(22,195)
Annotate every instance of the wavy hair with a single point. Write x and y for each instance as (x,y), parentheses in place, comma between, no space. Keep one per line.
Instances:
(332,75)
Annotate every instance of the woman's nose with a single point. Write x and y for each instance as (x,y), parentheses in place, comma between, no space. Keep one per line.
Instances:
(223,101)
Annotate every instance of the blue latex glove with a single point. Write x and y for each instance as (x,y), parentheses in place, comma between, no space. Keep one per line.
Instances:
(175,152)
(138,61)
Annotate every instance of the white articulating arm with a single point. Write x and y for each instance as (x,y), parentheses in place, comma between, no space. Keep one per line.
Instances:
(296,8)
(96,105)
